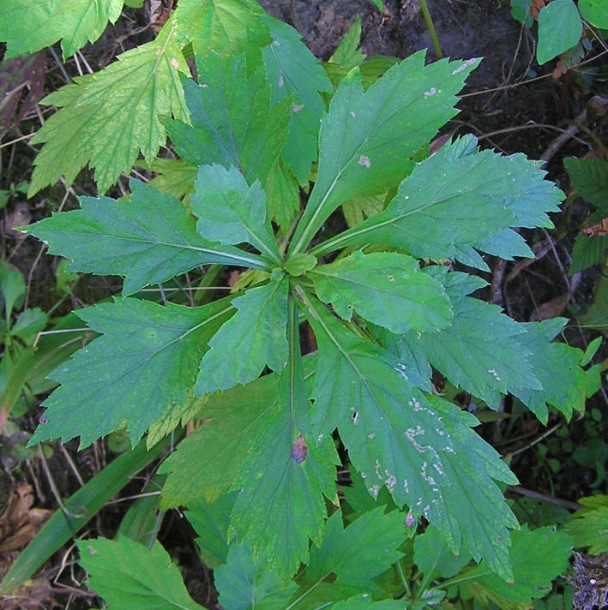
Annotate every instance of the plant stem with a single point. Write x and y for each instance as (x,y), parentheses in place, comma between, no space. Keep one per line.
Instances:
(431,28)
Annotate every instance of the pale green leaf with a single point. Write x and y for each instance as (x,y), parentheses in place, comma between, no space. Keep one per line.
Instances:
(457,200)
(368,139)
(595,12)
(245,583)
(36,24)
(147,240)
(589,525)
(210,521)
(108,118)
(347,54)
(230,211)
(476,350)
(145,362)
(537,558)
(221,26)
(253,338)
(130,576)
(359,553)
(174,177)
(288,472)
(357,210)
(233,419)
(558,368)
(385,288)
(245,130)
(559,29)
(425,454)
(293,71)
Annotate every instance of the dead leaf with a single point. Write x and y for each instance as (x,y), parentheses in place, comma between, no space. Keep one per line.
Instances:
(551,309)
(20,522)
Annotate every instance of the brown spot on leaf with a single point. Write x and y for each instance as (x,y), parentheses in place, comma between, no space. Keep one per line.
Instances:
(299,450)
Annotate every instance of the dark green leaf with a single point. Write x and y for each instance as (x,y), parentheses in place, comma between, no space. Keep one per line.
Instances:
(359,553)
(426,455)
(368,139)
(559,29)
(221,26)
(457,200)
(293,71)
(253,338)
(148,240)
(145,362)
(287,473)
(245,130)
(230,211)
(537,558)
(233,419)
(130,576)
(211,521)
(364,601)
(558,368)
(476,350)
(590,179)
(245,583)
(385,288)
(434,559)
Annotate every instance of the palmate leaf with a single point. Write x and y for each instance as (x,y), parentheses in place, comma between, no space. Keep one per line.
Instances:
(457,201)
(385,288)
(417,450)
(145,362)
(245,130)
(292,70)
(245,583)
(36,24)
(232,212)
(367,139)
(253,338)
(147,240)
(108,118)
(221,26)
(130,576)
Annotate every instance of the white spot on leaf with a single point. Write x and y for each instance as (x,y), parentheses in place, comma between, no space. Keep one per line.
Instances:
(364,161)
(432,91)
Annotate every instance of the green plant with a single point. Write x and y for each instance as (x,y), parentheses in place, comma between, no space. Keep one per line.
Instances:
(389,311)
(561,25)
